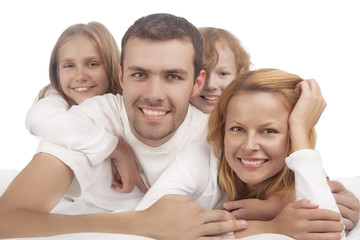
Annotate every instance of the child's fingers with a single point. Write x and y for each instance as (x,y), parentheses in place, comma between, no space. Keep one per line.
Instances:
(141,185)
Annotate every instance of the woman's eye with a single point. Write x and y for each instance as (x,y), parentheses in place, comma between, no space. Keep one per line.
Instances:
(269,131)
(236,129)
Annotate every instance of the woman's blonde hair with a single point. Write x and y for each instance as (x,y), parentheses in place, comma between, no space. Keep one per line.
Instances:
(264,80)
(105,44)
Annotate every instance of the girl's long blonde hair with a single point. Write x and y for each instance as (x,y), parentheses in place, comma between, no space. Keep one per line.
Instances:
(263,80)
(105,44)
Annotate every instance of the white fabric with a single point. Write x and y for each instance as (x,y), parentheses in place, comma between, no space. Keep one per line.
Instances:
(193,173)
(310,180)
(93,181)
(48,118)
(90,236)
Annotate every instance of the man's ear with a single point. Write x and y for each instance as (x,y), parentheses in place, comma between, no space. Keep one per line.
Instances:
(199,83)
(121,80)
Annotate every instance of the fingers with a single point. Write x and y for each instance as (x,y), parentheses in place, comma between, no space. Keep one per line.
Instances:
(231,205)
(141,185)
(348,204)
(304,203)
(220,222)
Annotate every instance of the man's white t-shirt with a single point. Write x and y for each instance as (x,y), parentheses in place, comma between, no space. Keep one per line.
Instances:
(93,177)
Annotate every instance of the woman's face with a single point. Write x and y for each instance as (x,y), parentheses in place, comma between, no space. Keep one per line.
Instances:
(256,136)
(82,72)
(217,79)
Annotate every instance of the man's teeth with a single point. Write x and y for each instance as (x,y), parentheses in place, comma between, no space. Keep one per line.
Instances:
(153,113)
(257,162)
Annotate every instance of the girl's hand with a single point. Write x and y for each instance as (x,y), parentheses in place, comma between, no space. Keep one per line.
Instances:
(126,171)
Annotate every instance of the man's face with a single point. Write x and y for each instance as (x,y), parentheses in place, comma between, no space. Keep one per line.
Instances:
(157,80)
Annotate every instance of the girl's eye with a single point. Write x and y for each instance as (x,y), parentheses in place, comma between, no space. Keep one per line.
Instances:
(67,65)
(93,64)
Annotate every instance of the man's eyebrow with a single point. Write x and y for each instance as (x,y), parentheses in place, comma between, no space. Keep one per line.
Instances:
(137,69)
(176,71)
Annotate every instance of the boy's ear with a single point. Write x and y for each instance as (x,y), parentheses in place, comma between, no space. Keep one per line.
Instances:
(121,80)
(199,83)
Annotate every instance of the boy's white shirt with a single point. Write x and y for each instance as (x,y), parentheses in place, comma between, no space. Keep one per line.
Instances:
(93,176)
(48,118)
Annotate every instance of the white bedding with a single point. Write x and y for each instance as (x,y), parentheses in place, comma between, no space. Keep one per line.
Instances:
(6,176)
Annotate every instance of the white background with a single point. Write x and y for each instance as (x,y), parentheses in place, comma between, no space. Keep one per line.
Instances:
(312,38)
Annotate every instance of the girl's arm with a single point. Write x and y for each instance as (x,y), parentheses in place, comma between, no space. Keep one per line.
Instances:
(48,118)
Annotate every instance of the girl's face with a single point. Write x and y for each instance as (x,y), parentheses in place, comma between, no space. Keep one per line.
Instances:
(256,136)
(81,69)
(217,79)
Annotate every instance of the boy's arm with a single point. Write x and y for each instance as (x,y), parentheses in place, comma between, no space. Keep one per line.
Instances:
(49,119)
(301,220)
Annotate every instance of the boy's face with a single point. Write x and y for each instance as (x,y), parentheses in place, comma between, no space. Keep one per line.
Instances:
(158,81)
(217,79)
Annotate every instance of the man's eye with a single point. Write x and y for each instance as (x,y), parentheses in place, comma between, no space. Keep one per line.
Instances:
(138,75)
(174,77)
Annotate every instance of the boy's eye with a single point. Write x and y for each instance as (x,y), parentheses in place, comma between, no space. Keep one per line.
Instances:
(223,74)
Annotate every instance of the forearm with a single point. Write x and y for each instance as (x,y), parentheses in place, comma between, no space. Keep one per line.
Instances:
(23,223)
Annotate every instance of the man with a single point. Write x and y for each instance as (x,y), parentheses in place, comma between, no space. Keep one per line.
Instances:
(159,74)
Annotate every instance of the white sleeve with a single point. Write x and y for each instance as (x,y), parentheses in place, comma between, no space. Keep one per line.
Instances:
(49,119)
(175,180)
(187,175)
(310,179)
